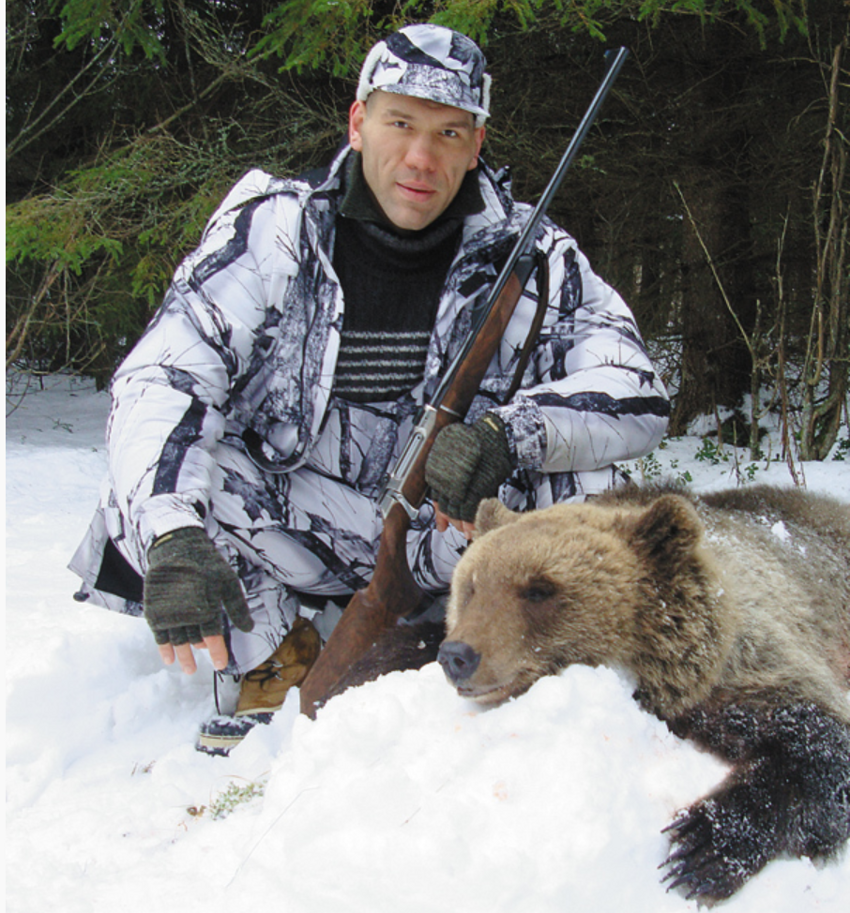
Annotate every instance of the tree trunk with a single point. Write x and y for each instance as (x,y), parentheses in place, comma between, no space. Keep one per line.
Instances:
(828,356)
(716,364)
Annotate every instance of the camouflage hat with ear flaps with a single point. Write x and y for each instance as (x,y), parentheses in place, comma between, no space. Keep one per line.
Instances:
(432,62)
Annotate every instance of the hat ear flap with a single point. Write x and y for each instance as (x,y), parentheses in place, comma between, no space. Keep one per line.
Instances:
(368,68)
(486,79)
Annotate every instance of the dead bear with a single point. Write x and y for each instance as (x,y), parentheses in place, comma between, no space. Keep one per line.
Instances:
(731,611)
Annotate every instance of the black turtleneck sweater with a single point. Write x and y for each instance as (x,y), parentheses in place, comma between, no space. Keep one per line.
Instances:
(392,281)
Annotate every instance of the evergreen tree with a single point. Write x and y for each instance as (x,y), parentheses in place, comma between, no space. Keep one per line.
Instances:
(712,190)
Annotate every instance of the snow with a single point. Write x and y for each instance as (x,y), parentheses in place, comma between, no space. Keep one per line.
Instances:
(780,531)
(400,796)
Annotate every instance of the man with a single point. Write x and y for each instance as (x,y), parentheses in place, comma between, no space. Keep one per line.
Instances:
(254,422)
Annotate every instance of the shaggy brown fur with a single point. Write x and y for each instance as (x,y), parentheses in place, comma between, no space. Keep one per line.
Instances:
(731,611)
(739,590)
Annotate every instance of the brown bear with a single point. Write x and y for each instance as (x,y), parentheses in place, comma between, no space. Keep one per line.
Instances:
(731,612)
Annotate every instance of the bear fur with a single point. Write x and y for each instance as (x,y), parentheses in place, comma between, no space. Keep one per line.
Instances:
(731,613)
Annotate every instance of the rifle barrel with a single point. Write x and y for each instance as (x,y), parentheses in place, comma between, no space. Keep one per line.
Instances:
(526,237)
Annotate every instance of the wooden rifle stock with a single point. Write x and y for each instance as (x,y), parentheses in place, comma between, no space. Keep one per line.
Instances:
(392,592)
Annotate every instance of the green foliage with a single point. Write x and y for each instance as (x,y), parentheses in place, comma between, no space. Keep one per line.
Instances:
(128,120)
(132,23)
(89,260)
(152,196)
(480,18)
(842,449)
(338,33)
(318,33)
(55,230)
(749,471)
(711,452)
(759,16)
(649,467)
(106,243)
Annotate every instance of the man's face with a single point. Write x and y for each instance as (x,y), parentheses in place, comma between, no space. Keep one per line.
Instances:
(415,154)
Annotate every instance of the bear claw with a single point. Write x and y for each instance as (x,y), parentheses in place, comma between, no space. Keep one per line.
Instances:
(713,851)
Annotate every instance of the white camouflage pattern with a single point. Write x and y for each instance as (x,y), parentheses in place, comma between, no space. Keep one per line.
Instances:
(433,62)
(223,415)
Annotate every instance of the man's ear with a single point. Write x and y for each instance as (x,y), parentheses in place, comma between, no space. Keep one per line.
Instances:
(480,133)
(356,115)
(491,514)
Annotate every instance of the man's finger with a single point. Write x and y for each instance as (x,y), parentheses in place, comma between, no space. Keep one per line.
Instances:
(186,658)
(218,651)
(441,519)
(443,522)
(166,652)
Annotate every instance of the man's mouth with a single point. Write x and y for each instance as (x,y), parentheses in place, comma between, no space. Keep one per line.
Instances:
(417,193)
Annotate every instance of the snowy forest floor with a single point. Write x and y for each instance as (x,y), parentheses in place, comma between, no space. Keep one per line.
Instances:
(400,797)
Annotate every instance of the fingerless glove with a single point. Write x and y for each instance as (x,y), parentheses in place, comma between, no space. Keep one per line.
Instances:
(468,463)
(187,585)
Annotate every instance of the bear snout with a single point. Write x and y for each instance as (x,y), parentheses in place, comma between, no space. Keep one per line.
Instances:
(458,659)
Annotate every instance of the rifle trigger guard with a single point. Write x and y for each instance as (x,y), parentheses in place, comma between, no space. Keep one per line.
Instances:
(409,509)
(392,490)
(392,495)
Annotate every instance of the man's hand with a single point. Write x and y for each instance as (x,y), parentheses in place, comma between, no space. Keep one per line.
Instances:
(187,585)
(467,463)
(444,521)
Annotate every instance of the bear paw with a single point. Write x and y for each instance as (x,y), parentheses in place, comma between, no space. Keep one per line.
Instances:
(715,847)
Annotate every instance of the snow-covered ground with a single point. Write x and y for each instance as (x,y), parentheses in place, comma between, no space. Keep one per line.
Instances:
(400,797)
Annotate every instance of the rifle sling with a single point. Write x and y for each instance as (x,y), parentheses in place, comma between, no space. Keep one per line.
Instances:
(542,267)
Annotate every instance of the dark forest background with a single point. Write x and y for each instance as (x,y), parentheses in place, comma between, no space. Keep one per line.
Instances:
(712,191)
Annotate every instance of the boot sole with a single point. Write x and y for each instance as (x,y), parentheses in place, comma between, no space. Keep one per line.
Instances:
(220,735)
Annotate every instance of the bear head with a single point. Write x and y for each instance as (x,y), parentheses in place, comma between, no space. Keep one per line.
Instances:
(627,586)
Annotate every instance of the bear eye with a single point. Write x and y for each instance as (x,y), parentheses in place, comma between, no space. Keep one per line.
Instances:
(466,590)
(536,591)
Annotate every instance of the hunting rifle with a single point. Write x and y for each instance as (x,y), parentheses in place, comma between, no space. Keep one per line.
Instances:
(392,592)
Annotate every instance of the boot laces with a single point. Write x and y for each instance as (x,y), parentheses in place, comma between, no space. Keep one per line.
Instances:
(264,673)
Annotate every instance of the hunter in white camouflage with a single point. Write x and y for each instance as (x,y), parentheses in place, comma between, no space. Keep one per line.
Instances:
(228,415)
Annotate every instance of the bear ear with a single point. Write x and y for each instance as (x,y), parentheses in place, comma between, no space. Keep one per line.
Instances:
(667,531)
(491,514)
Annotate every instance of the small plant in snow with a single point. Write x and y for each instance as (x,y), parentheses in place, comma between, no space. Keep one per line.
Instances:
(842,450)
(711,452)
(649,466)
(750,471)
(234,795)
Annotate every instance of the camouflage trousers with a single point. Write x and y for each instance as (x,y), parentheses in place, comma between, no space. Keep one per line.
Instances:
(302,532)
(314,530)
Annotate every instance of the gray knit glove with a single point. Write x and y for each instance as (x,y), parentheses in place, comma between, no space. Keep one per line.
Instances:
(468,463)
(187,585)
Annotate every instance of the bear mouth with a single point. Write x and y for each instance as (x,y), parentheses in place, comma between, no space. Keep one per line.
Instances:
(496,694)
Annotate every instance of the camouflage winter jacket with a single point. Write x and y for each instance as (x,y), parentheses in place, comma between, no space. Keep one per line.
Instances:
(246,343)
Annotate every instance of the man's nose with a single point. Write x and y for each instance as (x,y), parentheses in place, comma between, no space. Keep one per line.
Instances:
(421,153)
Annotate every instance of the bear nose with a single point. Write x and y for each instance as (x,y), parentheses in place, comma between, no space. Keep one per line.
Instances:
(459,660)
